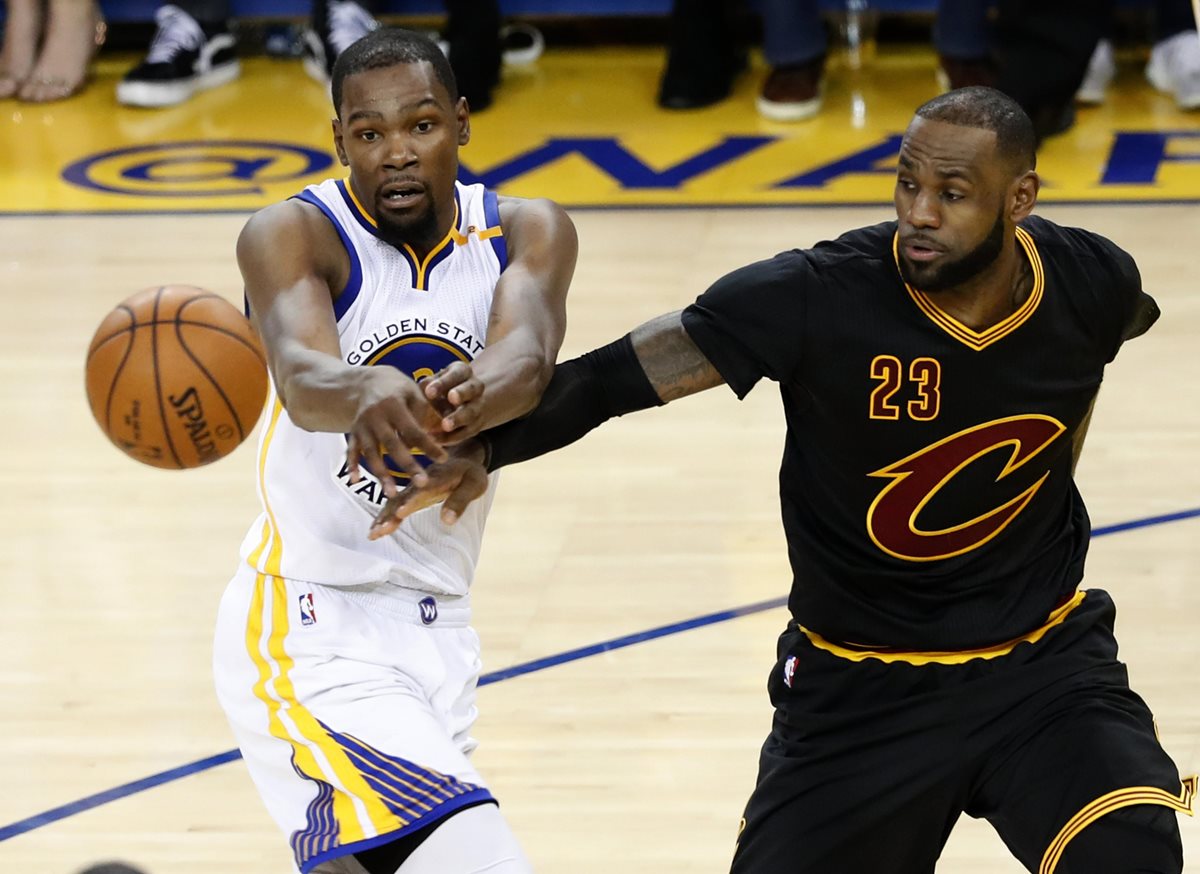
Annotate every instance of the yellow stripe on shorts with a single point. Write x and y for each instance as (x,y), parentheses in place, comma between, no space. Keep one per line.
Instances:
(358,812)
(1115,801)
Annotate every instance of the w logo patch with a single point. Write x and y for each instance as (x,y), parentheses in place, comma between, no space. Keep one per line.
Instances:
(428,608)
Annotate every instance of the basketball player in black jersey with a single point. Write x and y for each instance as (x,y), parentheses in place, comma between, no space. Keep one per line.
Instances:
(937,375)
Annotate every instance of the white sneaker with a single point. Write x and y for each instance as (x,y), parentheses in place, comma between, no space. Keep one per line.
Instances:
(184,57)
(521,44)
(343,24)
(1100,72)
(1175,68)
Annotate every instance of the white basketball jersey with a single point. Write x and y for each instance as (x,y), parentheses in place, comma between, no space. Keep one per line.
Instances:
(400,311)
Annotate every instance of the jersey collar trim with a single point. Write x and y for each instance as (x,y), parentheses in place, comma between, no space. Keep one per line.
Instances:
(419,268)
(978,340)
(356,209)
(349,293)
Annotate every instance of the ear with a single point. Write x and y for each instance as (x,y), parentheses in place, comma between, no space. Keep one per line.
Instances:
(1024,194)
(337,142)
(462,114)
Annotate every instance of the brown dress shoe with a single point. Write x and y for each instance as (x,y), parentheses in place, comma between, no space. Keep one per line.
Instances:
(792,93)
(965,72)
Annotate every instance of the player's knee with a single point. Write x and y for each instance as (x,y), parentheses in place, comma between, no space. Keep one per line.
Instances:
(1143,839)
(474,840)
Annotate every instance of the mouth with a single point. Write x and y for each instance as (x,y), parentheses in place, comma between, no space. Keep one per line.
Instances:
(921,250)
(401,194)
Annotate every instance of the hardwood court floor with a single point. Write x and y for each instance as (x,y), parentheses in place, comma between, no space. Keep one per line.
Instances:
(637,760)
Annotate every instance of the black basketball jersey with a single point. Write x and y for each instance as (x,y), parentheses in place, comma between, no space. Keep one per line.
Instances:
(926,484)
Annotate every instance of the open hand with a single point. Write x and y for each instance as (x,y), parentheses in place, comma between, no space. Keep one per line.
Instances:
(393,420)
(457,481)
(459,393)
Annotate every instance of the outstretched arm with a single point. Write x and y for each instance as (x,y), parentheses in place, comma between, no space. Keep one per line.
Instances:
(655,364)
(747,325)
(673,364)
(288,261)
(525,328)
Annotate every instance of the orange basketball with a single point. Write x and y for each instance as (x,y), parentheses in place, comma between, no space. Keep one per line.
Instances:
(176,376)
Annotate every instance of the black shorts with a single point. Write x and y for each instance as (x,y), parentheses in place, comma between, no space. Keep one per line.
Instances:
(870,763)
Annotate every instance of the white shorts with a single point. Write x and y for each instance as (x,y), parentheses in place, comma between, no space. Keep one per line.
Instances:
(352,708)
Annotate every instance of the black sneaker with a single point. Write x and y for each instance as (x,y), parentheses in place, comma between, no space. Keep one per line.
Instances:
(336,25)
(474,51)
(703,54)
(184,57)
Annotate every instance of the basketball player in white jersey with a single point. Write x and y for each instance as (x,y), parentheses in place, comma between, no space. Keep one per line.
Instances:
(346,666)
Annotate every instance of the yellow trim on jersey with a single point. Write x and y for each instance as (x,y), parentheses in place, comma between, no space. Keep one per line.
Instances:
(485,234)
(1105,804)
(977,340)
(269,526)
(420,265)
(367,217)
(953,657)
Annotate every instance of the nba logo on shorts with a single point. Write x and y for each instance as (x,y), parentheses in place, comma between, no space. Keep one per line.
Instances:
(428,608)
(308,614)
(789,671)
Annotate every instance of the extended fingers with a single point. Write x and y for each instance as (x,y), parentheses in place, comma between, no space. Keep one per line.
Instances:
(451,376)
(363,444)
(372,438)
(461,424)
(352,456)
(395,510)
(466,411)
(466,391)
(473,485)
(419,440)
(400,431)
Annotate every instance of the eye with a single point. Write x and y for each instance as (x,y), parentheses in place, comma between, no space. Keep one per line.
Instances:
(369,136)
(906,184)
(953,195)
(424,127)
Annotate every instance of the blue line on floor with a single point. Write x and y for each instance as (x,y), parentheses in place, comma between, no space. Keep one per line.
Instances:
(53,815)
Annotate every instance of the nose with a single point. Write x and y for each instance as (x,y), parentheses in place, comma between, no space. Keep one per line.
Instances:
(924,211)
(400,153)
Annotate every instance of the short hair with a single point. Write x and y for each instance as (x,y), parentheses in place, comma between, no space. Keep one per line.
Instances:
(386,47)
(988,109)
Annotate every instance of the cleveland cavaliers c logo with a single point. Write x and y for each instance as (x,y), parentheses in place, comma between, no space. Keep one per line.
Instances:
(892,520)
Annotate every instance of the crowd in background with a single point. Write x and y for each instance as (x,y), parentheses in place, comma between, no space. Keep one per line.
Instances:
(1048,56)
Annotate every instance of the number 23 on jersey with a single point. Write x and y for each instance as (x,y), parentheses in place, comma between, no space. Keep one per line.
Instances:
(921,380)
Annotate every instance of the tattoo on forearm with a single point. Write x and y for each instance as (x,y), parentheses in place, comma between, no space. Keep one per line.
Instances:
(674,365)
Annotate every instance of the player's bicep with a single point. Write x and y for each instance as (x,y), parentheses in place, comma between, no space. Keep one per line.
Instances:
(290,302)
(528,317)
(673,363)
(530,301)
